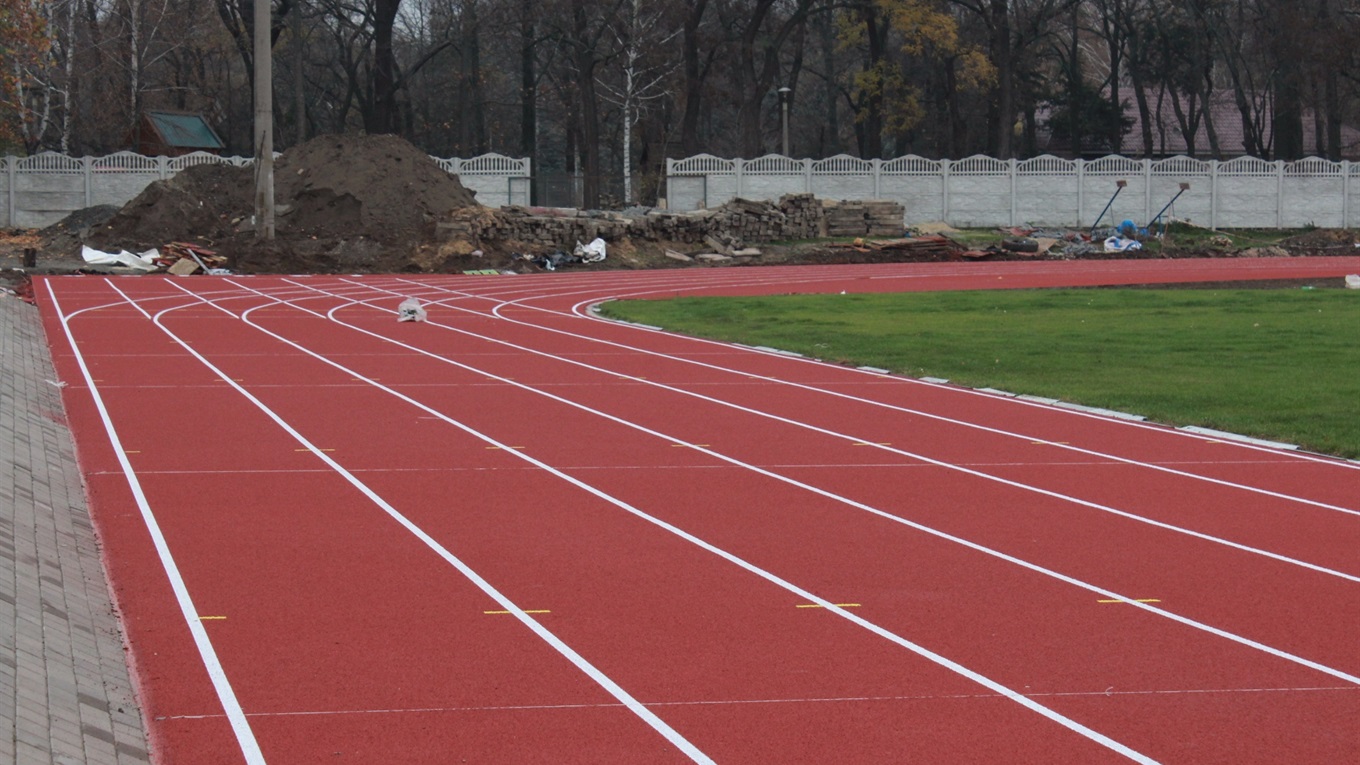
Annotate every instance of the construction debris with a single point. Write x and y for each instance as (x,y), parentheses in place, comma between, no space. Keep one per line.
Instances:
(922,247)
(726,230)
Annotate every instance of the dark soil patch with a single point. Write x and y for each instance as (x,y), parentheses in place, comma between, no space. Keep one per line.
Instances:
(343,202)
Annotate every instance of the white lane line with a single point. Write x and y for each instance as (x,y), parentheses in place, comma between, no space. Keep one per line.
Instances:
(658,288)
(906,410)
(245,737)
(1242,640)
(892,450)
(768,576)
(600,678)
(670,287)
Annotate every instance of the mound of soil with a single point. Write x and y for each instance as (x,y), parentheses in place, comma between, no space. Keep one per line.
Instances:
(377,186)
(202,203)
(356,202)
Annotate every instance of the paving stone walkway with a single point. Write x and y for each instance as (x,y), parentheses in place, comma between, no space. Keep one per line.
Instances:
(65,697)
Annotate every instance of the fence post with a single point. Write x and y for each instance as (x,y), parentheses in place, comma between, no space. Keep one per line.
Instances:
(944,189)
(1279,193)
(87,169)
(1147,190)
(1081,191)
(877,165)
(807,176)
(1012,166)
(739,167)
(10,163)
(1345,193)
(1213,194)
(163,167)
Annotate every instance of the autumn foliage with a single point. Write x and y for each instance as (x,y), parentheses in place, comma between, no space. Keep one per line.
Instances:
(23,44)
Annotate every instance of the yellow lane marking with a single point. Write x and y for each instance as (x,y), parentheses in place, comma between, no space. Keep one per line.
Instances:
(527,611)
(212,618)
(1135,600)
(818,605)
(876,443)
(132,451)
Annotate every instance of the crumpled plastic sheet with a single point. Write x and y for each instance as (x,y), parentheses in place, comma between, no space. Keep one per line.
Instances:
(141,261)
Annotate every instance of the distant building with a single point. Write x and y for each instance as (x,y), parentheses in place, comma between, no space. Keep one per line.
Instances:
(172,134)
(1168,140)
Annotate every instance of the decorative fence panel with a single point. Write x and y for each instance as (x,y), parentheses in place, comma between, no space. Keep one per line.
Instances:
(1043,191)
(42,189)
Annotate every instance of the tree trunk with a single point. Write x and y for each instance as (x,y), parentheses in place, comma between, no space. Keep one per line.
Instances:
(382,115)
(528,84)
(590,106)
(1003,119)
(830,143)
(694,79)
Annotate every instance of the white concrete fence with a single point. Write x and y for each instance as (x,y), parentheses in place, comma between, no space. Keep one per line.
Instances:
(1044,191)
(42,189)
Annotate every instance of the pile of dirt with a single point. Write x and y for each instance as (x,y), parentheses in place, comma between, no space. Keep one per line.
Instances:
(1324,241)
(343,202)
(203,203)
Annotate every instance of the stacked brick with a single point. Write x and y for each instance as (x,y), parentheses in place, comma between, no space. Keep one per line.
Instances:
(734,225)
(870,217)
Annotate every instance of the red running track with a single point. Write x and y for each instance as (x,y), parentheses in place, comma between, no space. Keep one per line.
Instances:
(517,533)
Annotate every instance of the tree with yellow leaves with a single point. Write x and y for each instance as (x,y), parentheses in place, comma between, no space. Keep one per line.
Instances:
(888,33)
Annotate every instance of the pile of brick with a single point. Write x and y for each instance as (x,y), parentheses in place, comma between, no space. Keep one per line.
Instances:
(869,217)
(795,216)
(735,224)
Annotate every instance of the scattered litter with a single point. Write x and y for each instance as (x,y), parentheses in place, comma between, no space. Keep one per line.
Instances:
(1353,281)
(410,310)
(1120,244)
(590,253)
(146,261)
(55,383)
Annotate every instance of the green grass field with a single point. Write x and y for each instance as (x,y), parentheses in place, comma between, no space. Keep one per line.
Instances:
(1280,364)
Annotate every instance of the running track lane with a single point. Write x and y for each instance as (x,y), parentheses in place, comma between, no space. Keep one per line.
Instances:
(685,630)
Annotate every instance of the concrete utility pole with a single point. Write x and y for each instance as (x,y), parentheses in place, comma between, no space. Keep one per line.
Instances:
(264,124)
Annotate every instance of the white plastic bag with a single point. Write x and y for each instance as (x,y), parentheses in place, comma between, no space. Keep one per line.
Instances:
(410,310)
(590,253)
(1120,244)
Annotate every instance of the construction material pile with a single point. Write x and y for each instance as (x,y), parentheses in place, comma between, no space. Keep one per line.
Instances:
(342,202)
(734,224)
(868,217)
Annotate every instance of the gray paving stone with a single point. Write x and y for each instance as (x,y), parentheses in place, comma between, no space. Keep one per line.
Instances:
(65,695)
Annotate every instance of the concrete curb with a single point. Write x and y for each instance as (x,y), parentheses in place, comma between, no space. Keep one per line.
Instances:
(65,694)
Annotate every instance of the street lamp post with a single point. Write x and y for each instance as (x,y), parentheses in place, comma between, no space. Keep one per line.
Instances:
(784,93)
